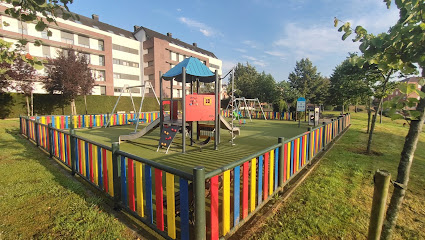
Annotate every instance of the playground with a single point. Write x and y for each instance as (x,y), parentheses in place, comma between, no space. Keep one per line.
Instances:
(255,136)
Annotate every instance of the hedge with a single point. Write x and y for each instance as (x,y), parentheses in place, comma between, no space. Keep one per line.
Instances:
(14,104)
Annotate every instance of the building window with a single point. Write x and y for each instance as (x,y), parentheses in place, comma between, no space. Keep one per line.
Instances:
(67,37)
(150,50)
(174,56)
(125,49)
(117,76)
(84,41)
(102,60)
(22,27)
(100,45)
(86,56)
(125,63)
(46,51)
(214,66)
(151,77)
(44,34)
(117,89)
(172,65)
(150,63)
(102,90)
(99,75)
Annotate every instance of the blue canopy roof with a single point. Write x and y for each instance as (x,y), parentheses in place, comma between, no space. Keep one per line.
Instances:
(194,68)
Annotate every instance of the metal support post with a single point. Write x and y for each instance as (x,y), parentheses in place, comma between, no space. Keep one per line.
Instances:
(199,196)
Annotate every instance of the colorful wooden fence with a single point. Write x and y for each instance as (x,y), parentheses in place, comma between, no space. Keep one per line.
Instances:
(239,189)
(169,200)
(259,115)
(93,120)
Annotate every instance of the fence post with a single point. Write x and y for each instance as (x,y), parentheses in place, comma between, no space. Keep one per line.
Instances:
(380,192)
(199,195)
(20,124)
(50,135)
(73,149)
(27,124)
(116,172)
(324,136)
(309,157)
(281,159)
(36,132)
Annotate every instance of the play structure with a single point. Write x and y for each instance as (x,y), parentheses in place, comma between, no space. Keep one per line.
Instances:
(244,105)
(196,107)
(137,118)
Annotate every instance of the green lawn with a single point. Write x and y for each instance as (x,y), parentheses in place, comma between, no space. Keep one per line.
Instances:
(40,200)
(334,202)
(255,136)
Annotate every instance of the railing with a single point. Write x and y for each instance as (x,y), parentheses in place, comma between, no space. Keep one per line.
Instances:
(173,202)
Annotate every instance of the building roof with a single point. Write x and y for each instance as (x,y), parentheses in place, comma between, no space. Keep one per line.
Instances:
(411,80)
(90,22)
(151,33)
(194,67)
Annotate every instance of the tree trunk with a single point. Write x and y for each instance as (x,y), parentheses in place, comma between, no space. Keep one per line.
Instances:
(342,112)
(28,106)
(380,115)
(85,102)
(372,127)
(369,112)
(403,172)
(73,108)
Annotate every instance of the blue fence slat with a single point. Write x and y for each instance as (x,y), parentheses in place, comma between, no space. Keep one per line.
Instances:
(148,187)
(184,209)
(276,167)
(260,180)
(99,167)
(123,182)
(236,195)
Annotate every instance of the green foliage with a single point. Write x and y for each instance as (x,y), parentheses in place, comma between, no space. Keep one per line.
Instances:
(351,84)
(251,84)
(308,83)
(13,104)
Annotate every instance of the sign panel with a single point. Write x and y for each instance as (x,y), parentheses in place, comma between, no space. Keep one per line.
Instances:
(301,104)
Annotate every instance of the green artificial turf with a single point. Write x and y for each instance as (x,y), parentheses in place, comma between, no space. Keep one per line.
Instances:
(255,136)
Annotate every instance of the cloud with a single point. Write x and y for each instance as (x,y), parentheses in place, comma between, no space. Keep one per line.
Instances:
(249,58)
(240,50)
(313,41)
(250,43)
(276,54)
(203,28)
(179,9)
(260,63)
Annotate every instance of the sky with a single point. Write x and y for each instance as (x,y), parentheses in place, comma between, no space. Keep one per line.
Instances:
(268,34)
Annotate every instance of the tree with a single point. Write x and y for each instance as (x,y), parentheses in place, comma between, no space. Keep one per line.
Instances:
(401,48)
(251,84)
(24,75)
(350,84)
(266,88)
(308,82)
(69,75)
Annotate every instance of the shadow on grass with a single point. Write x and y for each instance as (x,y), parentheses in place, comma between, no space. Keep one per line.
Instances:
(62,175)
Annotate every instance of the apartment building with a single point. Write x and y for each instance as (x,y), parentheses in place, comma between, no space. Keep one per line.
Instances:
(162,52)
(116,56)
(397,93)
(113,53)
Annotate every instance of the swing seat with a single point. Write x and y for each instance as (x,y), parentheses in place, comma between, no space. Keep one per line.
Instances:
(142,120)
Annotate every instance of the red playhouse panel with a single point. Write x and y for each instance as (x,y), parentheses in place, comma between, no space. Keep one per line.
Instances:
(200,107)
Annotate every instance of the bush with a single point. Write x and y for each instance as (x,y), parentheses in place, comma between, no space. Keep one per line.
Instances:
(329,108)
(14,104)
